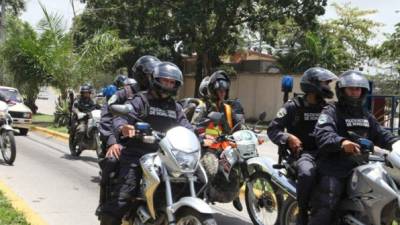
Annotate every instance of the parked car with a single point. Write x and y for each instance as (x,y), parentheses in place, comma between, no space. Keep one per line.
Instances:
(21,114)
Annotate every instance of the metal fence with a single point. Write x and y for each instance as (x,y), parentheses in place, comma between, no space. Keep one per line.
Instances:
(386,110)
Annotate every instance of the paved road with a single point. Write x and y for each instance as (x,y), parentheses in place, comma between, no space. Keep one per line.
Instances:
(64,190)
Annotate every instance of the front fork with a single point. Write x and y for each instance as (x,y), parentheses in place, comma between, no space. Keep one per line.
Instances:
(193,201)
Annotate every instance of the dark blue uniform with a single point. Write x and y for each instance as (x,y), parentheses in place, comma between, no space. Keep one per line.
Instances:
(299,119)
(162,115)
(79,127)
(332,129)
(106,125)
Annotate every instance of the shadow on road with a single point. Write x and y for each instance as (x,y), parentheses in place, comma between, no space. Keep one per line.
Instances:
(82,158)
(231,220)
(95,179)
(2,163)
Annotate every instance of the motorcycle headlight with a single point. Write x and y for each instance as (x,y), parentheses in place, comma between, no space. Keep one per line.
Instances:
(186,161)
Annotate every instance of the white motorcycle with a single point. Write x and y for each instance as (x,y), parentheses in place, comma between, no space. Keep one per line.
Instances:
(372,194)
(7,140)
(91,139)
(231,162)
(168,194)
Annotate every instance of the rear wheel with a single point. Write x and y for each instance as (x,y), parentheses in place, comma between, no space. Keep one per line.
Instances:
(289,212)
(8,148)
(189,216)
(262,201)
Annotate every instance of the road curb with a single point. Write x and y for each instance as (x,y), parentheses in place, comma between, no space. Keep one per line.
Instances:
(20,205)
(48,132)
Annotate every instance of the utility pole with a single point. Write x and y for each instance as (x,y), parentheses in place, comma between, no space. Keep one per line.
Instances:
(2,34)
(73,7)
(2,20)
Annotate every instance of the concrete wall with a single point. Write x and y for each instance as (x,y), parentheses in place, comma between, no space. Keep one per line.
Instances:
(258,92)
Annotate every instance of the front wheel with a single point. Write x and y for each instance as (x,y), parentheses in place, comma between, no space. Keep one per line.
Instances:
(189,216)
(289,212)
(262,200)
(8,149)
(73,147)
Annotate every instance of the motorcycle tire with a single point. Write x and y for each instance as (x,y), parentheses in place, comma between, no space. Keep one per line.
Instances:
(188,215)
(72,146)
(289,211)
(8,148)
(262,199)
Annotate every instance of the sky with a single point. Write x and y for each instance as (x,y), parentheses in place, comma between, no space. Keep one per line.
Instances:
(388,11)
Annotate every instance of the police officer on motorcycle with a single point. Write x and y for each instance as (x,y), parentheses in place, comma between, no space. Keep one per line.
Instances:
(214,92)
(338,150)
(142,71)
(158,108)
(109,166)
(299,116)
(80,108)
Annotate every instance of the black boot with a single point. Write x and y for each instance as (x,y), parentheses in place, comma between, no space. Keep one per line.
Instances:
(237,204)
(109,220)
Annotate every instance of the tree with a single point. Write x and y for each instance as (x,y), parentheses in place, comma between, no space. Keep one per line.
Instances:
(144,25)
(354,31)
(169,29)
(389,53)
(20,54)
(14,7)
(214,28)
(338,44)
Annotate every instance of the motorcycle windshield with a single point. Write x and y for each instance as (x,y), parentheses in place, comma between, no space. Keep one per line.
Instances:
(183,139)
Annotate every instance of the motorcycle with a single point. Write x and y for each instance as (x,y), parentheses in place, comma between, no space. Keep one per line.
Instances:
(233,161)
(7,140)
(372,194)
(167,191)
(91,139)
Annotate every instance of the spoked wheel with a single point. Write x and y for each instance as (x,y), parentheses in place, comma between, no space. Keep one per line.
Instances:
(8,149)
(262,201)
(289,213)
(189,216)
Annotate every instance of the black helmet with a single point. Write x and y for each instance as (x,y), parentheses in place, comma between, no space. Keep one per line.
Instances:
(203,88)
(352,78)
(166,70)
(132,83)
(119,81)
(85,88)
(310,81)
(219,80)
(143,68)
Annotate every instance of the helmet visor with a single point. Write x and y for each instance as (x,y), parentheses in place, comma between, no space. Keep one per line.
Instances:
(221,85)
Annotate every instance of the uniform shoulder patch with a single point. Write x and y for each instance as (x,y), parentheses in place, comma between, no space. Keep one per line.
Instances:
(281,113)
(323,118)
(113,99)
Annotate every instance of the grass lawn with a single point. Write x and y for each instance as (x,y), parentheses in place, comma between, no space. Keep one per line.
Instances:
(46,121)
(8,215)
(42,118)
